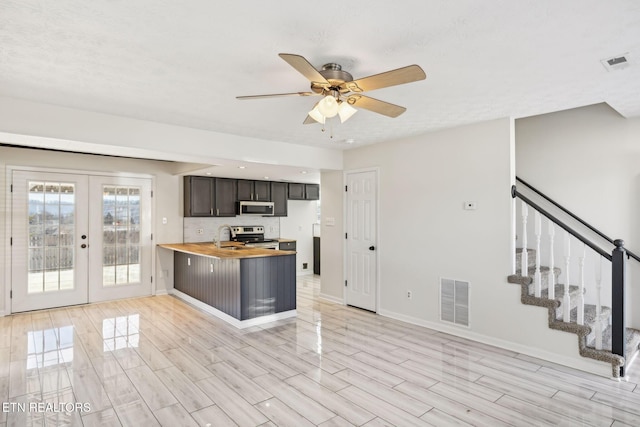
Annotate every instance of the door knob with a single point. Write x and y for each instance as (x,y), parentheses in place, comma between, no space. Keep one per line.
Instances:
(84,236)
(372,248)
(84,245)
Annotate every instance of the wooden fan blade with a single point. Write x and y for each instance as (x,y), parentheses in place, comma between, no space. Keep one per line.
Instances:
(276,95)
(305,68)
(400,76)
(375,105)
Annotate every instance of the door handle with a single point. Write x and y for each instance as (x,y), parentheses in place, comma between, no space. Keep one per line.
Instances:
(84,236)
(372,248)
(83,246)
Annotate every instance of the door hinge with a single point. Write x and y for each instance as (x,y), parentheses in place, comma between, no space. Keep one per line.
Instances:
(345,283)
(151,279)
(12,188)
(10,241)
(345,236)
(11,294)
(151,193)
(151,236)
(345,188)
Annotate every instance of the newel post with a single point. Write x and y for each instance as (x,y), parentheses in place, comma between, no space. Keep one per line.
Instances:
(618,330)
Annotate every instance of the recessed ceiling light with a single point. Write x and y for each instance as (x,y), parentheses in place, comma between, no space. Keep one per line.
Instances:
(349,140)
(241,167)
(208,173)
(266,177)
(303,172)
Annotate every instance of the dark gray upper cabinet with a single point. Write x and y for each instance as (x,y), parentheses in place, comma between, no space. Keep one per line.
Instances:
(296,191)
(198,196)
(205,196)
(279,198)
(225,197)
(254,190)
(299,191)
(312,192)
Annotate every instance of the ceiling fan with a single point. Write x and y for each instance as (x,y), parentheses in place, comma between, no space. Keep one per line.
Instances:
(341,92)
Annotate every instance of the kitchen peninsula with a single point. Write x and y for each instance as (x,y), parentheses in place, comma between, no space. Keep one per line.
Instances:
(241,285)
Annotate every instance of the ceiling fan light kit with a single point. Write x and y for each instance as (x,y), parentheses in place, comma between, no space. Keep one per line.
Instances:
(333,83)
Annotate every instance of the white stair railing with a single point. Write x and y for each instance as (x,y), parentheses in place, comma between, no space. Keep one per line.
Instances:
(538,275)
(566,299)
(524,258)
(598,325)
(580,305)
(552,276)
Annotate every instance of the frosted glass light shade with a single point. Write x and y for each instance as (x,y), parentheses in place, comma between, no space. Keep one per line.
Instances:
(316,115)
(328,107)
(345,111)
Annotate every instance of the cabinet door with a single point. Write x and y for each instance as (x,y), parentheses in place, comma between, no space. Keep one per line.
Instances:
(262,191)
(296,191)
(279,198)
(198,196)
(312,192)
(226,190)
(245,190)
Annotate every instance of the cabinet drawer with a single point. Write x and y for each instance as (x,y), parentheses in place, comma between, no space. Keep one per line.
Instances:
(287,246)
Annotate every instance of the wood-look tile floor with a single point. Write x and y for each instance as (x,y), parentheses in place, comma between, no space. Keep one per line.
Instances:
(158,361)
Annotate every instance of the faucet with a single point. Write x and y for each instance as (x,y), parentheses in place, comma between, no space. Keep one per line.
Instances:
(231,233)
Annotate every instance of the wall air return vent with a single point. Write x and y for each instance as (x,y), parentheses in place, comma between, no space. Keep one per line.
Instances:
(454,301)
(616,63)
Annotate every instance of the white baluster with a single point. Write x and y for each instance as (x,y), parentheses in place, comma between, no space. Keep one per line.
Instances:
(566,300)
(524,259)
(581,285)
(538,275)
(598,328)
(552,276)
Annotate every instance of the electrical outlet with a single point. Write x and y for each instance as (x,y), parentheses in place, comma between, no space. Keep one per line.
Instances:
(200,231)
(408,294)
(304,265)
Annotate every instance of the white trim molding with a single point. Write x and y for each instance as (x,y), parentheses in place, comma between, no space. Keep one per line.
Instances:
(240,324)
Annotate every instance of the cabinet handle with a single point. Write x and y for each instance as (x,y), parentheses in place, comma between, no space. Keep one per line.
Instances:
(212,267)
(211,211)
(188,261)
(217,212)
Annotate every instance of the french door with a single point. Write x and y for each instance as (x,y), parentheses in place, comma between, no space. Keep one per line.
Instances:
(361,247)
(78,238)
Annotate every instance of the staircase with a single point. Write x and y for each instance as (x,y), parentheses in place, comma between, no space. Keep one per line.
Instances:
(594,335)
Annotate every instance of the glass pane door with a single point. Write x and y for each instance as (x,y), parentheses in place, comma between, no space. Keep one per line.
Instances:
(121,235)
(120,224)
(49,263)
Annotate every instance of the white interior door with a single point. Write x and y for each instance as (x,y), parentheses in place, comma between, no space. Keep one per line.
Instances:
(361,227)
(120,227)
(49,223)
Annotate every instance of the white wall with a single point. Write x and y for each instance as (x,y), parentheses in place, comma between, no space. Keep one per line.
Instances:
(588,160)
(425,234)
(332,231)
(166,194)
(298,225)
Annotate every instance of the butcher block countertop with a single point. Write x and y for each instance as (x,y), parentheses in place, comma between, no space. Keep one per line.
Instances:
(228,250)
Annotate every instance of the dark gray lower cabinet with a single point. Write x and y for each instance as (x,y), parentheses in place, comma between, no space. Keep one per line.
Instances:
(243,288)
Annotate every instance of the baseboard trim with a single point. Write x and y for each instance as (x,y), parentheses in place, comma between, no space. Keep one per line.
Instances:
(304,273)
(161,292)
(240,324)
(583,364)
(331,298)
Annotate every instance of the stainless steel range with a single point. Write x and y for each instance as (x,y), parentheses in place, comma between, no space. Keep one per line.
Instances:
(252,236)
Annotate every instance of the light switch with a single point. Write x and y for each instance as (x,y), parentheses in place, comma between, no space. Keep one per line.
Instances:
(164,219)
(470,206)
(330,221)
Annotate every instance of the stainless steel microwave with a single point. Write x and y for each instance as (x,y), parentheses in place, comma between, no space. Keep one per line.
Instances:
(255,208)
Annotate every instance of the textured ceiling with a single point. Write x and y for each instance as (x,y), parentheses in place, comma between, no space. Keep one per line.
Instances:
(184,62)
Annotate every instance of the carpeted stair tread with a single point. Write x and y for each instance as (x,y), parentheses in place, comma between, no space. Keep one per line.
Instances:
(590,314)
(632,341)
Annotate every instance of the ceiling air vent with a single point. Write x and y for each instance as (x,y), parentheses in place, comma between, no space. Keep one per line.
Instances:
(616,63)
